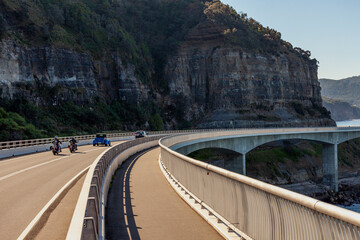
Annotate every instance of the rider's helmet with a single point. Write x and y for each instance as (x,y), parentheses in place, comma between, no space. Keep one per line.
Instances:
(56,137)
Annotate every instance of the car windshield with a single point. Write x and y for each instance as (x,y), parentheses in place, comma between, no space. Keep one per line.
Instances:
(100,135)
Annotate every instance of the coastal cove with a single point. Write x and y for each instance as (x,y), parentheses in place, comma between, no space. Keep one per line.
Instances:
(350,123)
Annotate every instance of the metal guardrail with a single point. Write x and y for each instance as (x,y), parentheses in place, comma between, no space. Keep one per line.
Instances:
(260,210)
(92,212)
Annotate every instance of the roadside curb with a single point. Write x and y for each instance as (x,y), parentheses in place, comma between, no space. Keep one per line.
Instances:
(37,223)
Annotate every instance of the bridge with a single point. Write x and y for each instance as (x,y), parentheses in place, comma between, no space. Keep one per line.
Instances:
(236,206)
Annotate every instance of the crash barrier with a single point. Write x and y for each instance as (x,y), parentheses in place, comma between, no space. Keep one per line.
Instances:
(44,141)
(260,210)
(21,147)
(89,215)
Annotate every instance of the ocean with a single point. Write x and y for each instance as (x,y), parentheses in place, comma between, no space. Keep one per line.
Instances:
(349,123)
(354,207)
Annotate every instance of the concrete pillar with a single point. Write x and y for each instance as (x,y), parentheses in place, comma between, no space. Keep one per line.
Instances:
(330,166)
(237,165)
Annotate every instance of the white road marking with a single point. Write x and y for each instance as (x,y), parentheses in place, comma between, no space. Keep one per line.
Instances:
(39,165)
(43,210)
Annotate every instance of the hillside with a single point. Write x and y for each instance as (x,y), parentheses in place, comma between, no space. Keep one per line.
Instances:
(347,89)
(341,110)
(98,65)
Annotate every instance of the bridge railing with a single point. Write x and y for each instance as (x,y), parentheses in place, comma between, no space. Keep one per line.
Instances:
(260,210)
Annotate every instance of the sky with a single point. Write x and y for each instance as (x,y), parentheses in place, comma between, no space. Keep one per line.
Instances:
(330,29)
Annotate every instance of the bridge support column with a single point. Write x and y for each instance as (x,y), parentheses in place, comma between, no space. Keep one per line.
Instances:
(330,165)
(238,165)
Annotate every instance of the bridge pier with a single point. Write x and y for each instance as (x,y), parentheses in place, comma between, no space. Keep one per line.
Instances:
(238,165)
(330,166)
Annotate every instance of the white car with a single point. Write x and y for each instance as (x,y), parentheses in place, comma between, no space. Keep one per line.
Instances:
(140,134)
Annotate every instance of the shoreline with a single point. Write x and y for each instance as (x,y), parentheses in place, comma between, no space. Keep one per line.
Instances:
(348,194)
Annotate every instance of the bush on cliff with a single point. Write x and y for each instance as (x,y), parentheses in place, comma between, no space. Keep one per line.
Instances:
(13,127)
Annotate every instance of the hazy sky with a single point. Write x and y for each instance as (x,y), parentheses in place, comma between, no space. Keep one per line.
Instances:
(330,29)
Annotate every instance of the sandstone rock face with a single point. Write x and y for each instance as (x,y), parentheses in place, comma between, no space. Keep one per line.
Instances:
(46,74)
(228,87)
(222,86)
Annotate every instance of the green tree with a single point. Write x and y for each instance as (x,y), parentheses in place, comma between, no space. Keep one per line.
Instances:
(156,122)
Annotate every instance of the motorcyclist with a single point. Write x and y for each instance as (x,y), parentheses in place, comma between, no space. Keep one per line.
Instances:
(73,141)
(57,143)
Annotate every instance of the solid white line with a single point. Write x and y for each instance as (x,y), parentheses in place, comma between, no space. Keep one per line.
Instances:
(43,210)
(38,165)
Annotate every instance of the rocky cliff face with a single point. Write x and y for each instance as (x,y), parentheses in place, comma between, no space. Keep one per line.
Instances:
(228,87)
(46,75)
(204,65)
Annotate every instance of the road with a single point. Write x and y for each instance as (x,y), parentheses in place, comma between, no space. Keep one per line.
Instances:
(28,182)
(142,205)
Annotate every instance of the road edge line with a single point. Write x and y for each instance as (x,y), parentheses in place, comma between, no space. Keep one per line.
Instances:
(37,218)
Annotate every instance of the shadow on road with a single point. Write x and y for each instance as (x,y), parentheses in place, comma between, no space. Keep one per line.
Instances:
(119,216)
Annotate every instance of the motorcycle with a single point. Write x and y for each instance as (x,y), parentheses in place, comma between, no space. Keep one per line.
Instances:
(72,147)
(55,149)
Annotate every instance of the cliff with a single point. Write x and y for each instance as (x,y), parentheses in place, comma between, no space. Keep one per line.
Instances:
(125,63)
(226,84)
(340,110)
(46,75)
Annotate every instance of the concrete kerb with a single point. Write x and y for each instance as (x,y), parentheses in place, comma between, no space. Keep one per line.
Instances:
(48,205)
(76,225)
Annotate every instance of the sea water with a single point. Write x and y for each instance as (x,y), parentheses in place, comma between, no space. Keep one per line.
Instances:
(349,123)
(354,207)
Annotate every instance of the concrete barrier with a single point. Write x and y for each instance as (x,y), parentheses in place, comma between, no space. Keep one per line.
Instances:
(88,221)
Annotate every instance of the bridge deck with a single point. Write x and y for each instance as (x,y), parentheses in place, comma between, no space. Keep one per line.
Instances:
(28,182)
(152,208)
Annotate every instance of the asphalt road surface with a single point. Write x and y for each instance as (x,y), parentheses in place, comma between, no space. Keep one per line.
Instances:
(142,205)
(27,183)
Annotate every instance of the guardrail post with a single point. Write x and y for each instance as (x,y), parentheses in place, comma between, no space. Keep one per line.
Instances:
(92,210)
(89,229)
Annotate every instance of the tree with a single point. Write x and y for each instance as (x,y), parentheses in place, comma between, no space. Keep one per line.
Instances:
(156,122)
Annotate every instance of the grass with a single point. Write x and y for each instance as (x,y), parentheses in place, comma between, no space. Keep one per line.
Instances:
(275,155)
(203,154)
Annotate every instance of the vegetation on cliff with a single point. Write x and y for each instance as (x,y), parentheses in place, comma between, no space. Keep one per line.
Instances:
(144,33)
